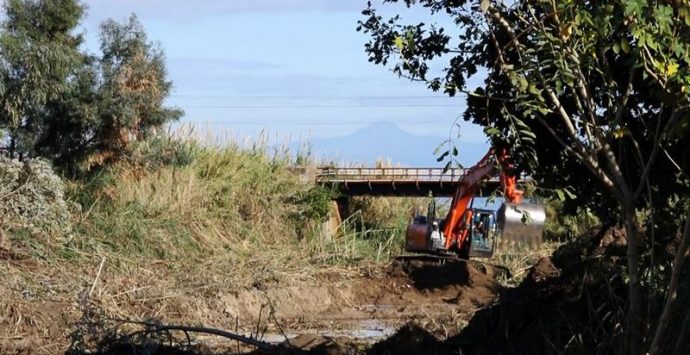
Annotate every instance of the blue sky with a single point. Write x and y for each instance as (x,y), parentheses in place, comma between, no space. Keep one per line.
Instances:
(295,68)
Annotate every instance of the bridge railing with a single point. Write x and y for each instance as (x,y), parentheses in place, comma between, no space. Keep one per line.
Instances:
(331,174)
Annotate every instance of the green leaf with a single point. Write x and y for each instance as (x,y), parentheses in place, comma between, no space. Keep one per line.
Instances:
(440,146)
(521,124)
(446,167)
(399,42)
(634,8)
(663,15)
(533,90)
(522,83)
(528,134)
(616,48)
(671,69)
(560,195)
(492,131)
(625,46)
(651,43)
(677,49)
(544,110)
(570,194)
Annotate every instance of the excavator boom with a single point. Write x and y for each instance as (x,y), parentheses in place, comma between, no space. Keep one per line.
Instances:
(466,229)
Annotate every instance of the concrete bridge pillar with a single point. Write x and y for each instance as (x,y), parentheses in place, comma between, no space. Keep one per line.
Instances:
(343,203)
(339,210)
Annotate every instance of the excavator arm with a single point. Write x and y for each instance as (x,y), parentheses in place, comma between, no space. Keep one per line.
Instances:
(457,222)
(453,233)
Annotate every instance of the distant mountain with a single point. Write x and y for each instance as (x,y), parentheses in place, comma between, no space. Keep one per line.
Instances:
(388,142)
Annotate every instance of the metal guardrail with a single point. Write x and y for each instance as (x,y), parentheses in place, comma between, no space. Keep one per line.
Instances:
(393,181)
(331,174)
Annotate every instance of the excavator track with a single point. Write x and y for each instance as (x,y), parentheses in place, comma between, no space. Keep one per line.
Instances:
(498,271)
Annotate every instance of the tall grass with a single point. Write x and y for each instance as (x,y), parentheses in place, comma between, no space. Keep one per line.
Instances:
(229,207)
(222,197)
(352,242)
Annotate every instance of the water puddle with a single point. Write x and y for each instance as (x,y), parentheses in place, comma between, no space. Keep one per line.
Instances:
(367,330)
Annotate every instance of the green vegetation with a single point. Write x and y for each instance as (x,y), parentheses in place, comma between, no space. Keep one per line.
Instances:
(588,97)
(32,195)
(125,191)
(76,109)
(176,201)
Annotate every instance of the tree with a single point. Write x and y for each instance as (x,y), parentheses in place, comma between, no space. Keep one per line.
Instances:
(40,58)
(77,109)
(599,87)
(132,90)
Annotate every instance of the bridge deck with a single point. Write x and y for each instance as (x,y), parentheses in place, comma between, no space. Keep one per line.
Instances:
(393,181)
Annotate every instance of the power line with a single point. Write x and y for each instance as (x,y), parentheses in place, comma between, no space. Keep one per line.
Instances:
(309,102)
(311,98)
(312,106)
(321,123)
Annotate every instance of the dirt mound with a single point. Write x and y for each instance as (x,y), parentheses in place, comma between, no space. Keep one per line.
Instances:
(409,340)
(313,344)
(569,303)
(427,273)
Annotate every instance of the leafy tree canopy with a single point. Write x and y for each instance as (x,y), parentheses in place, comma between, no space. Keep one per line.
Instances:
(590,95)
(77,109)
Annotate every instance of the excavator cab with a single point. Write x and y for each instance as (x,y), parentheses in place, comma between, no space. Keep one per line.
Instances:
(483,233)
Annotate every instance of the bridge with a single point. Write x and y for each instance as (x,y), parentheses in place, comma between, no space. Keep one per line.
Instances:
(418,182)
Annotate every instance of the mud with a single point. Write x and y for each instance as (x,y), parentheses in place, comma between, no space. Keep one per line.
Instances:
(342,313)
(374,307)
(571,302)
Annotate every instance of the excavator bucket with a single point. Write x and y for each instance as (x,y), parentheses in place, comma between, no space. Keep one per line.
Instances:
(521,223)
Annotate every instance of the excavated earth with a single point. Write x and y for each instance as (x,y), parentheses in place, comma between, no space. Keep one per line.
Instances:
(330,313)
(568,303)
(346,317)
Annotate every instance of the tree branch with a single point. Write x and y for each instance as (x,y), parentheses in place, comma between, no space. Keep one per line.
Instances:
(672,295)
(163,327)
(654,153)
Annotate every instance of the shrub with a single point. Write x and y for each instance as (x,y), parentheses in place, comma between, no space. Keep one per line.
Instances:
(313,204)
(31,194)
(163,150)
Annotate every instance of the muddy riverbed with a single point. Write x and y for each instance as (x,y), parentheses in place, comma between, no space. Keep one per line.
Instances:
(358,310)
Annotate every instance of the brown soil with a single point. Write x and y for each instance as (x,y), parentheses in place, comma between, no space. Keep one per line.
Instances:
(571,303)
(343,312)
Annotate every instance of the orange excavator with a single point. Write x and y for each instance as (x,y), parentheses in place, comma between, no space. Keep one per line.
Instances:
(474,232)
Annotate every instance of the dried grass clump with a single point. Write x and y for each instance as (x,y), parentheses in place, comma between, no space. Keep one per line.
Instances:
(32,195)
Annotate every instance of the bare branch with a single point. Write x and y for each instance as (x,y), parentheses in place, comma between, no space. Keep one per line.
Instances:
(163,327)
(591,164)
(655,151)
